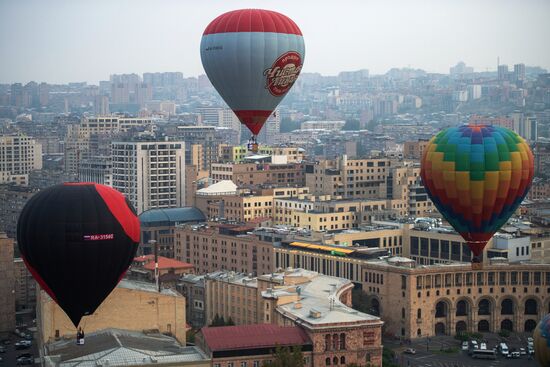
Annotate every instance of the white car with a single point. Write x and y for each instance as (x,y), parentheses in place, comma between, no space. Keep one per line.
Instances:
(522,351)
(483,346)
(464,345)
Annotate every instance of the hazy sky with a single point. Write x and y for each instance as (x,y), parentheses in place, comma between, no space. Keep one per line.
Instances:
(60,41)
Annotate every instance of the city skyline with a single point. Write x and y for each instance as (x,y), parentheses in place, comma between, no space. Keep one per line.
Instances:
(391,35)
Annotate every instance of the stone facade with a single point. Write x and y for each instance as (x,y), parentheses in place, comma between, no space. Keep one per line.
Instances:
(446,299)
(25,286)
(131,306)
(7,293)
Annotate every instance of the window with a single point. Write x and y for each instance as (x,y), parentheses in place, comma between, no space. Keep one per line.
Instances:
(343,360)
(403,282)
(327,362)
(244,364)
(256,364)
(419,314)
(217,365)
(514,278)
(230,364)
(342,341)
(403,313)
(502,278)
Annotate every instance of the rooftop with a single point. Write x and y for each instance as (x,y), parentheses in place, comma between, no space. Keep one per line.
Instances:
(170,216)
(253,336)
(165,263)
(225,187)
(115,347)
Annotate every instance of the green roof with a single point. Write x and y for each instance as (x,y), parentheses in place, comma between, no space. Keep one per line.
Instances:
(170,216)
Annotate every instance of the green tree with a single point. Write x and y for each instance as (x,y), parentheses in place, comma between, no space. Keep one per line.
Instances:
(285,357)
(230,322)
(351,125)
(215,321)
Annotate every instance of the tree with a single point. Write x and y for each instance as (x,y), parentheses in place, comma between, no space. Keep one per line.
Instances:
(230,322)
(351,125)
(284,357)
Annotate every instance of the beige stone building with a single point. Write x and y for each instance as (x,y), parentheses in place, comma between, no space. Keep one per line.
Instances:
(252,174)
(317,303)
(446,299)
(414,149)
(211,247)
(131,306)
(7,296)
(19,155)
(375,179)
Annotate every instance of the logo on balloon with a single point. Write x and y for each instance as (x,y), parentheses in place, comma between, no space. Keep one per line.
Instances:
(283,73)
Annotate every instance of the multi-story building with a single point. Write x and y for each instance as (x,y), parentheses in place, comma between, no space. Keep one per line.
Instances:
(158,225)
(192,287)
(421,301)
(540,189)
(98,169)
(211,247)
(132,305)
(318,304)
(228,120)
(25,286)
(326,125)
(13,198)
(375,178)
(146,268)
(150,173)
(255,174)
(7,294)
(414,149)
(19,155)
(271,129)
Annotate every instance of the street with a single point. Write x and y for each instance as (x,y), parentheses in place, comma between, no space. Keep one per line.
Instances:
(431,352)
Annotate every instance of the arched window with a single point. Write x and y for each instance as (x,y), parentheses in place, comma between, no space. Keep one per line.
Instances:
(334,341)
(403,313)
(419,314)
(342,360)
(367,358)
(418,332)
(327,362)
(327,344)
(335,361)
(342,341)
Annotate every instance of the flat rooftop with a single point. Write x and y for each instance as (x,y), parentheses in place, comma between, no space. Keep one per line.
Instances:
(116,347)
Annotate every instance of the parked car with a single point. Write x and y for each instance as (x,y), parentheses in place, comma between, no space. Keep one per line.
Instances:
(530,350)
(23,344)
(474,344)
(515,354)
(464,345)
(28,337)
(410,351)
(483,346)
(522,351)
(25,359)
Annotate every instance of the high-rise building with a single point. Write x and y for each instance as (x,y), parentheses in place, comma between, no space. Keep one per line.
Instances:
(98,169)
(502,72)
(19,155)
(44,94)
(150,173)
(271,129)
(7,293)
(228,120)
(519,72)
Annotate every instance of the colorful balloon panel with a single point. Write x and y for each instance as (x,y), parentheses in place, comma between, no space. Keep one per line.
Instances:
(541,337)
(252,57)
(477,176)
(78,240)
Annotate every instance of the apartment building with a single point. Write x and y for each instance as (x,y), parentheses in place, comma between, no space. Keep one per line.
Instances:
(214,246)
(150,173)
(19,155)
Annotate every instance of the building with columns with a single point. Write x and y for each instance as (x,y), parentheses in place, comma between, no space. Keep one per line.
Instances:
(319,305)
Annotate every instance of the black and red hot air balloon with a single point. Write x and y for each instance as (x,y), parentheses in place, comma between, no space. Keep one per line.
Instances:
(78,240)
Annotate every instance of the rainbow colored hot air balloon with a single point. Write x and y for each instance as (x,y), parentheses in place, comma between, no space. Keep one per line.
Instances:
(252,57)
(477,176)
(541,337)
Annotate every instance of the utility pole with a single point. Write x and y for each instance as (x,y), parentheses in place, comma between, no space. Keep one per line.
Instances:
(156,249)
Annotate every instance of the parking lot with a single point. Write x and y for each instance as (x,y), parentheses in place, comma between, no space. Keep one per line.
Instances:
(9,357)
(446,352)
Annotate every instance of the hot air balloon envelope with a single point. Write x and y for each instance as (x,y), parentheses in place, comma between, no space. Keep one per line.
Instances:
(78,240)
(541,337)
(252,57)
(477,176)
